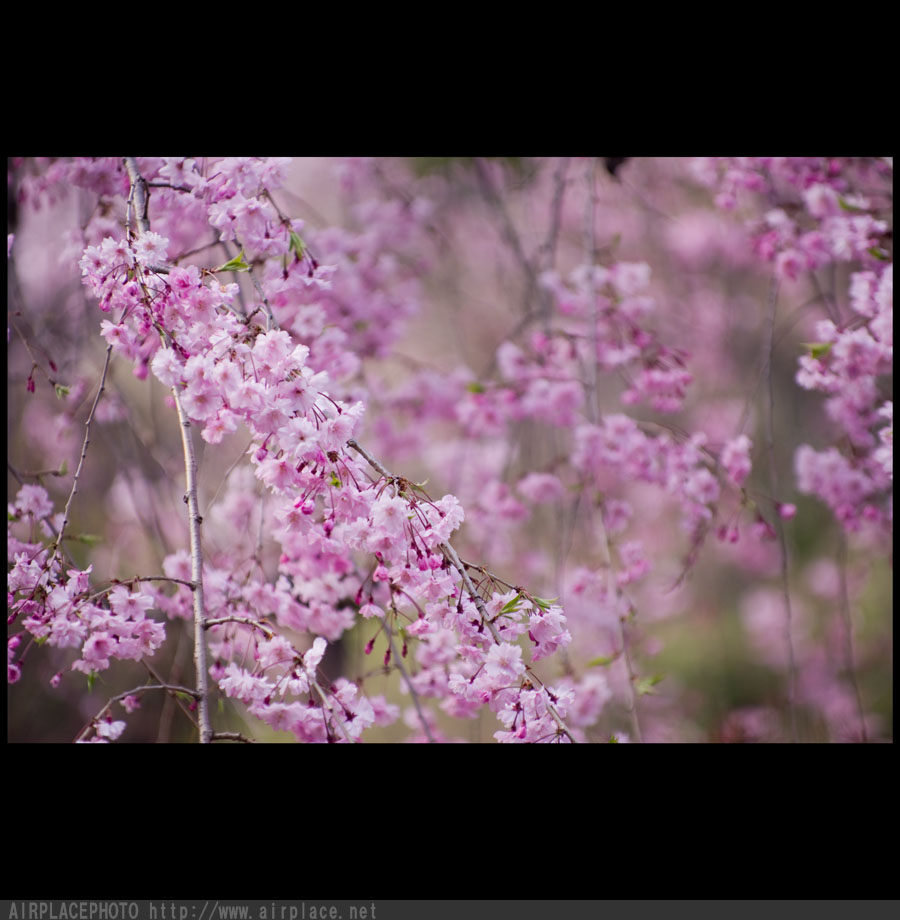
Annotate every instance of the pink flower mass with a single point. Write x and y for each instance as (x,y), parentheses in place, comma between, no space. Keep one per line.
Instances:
(450,449)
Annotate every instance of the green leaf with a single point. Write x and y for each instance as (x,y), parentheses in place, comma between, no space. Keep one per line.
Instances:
(91,678)
(297,245)
(613,739)
(846,206)
(818,349)
(545,603)
(237,264)
(475,387)
(63,468)
(645,685)
(512,605)
(61,390)
(602,661)
(335,481)
(877,253)
(89,539)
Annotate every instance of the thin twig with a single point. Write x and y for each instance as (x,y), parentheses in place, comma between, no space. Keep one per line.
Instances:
(412,691)
(172,696)
(115,582)
(491,575)
(164,730)
(329,705)
(36,474)
(271,322)
(612,592)
(452,557)
(84,447)
(559,182)
(172,688)
(509,230)
(227,473)
(246,621)
(830,301)
(779,524)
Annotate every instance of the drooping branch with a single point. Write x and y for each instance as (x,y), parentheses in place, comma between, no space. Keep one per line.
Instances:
(84,448)
(412,690)
(171,688)
(453,558)
(138,202)
(245,621)
(446,548)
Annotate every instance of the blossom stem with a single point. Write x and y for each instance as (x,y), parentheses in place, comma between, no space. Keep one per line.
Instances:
(612,590)
(138,202)
(412,691)
(84,447)
(329,705)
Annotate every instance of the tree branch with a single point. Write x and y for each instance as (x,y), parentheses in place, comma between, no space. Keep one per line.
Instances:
(452,557)
(171,688)
(138,201)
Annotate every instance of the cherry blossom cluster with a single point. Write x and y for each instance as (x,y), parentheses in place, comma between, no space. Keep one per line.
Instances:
(826,212)
(225,369)
(54,604)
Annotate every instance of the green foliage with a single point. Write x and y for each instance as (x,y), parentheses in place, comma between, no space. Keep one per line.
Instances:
(297,245)
(818,349)
(237,264)
(602,661)
(512,605)
(645,685)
